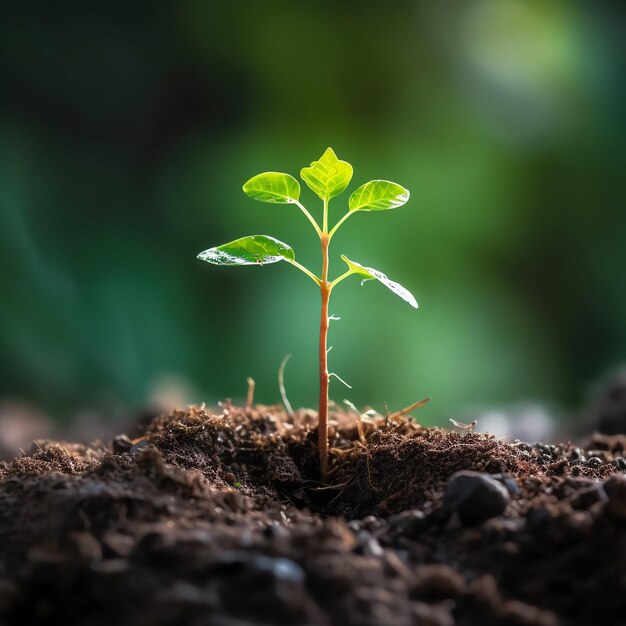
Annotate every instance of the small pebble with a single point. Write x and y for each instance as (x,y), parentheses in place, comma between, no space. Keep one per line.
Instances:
(121,444)
(620,463)
(355,525)
(475,496)
(140,445)
(575,454)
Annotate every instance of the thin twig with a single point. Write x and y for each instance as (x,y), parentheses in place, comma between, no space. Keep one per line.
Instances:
(408,409)
(467,427)
(329,487)
(281,385)
(250,396)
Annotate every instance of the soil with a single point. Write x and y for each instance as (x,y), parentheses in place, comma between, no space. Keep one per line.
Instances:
(220,517)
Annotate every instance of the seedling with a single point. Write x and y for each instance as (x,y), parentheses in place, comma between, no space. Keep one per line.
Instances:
(327,178)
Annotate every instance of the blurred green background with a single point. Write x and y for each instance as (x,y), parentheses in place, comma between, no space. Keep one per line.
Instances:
(127,132)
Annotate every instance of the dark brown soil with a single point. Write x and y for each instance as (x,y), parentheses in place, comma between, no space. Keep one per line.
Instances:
(221,518)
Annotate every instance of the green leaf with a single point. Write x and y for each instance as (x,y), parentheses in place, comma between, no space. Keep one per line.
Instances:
(252,250)
(378,195)
(372,274)
(327,177)
(273,187)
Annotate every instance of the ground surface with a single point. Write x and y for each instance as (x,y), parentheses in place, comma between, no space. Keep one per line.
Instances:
(220,518)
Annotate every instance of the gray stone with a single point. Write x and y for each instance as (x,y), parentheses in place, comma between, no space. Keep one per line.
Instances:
(475,497)
(620,463)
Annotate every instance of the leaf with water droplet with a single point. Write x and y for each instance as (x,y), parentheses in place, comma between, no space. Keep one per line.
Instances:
(378,195)
(273,187)
(327,177)
(251,250)
(371,274)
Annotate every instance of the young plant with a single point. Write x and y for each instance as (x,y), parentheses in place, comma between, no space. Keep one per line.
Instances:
(327,177)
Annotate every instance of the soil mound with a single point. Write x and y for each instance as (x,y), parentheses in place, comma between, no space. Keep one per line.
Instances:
(222,518)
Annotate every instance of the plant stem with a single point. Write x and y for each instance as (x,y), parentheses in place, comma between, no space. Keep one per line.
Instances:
(325,290)
(309,217)
(311,275)
(340,278)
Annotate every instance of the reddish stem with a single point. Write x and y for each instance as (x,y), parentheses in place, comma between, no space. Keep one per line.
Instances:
(323,406)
